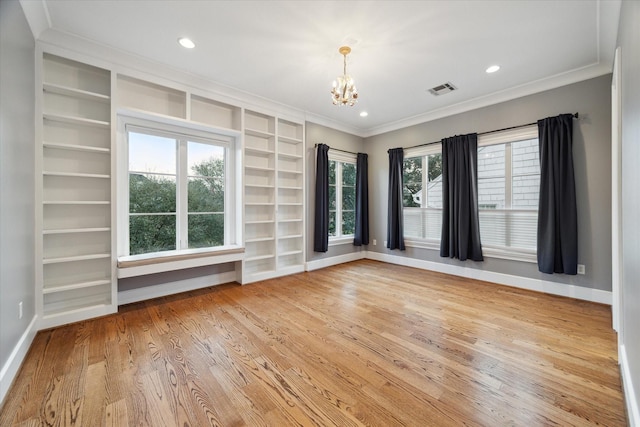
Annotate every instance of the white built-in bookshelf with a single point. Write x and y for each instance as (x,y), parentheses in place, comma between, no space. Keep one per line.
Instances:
(76,278)
(273,197)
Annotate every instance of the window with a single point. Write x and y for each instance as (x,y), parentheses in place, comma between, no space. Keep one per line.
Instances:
(342,196)
(508,188)
(176,192)
(422,193)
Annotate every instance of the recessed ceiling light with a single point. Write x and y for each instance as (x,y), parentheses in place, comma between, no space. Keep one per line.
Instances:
(186,43)
(492,69)
(363,114)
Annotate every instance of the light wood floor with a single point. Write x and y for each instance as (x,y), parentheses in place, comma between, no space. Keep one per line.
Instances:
(363,343)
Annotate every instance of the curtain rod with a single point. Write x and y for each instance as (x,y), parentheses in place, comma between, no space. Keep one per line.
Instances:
(576,115)
(337,149)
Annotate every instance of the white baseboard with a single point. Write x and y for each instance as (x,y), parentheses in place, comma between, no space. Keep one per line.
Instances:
(334,260)
(170,288)
(633,412)
(11,368)
(561,289)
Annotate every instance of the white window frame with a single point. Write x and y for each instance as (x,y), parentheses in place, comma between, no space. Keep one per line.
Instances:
(508,137)
(181,130)
(424,152)
(340,157)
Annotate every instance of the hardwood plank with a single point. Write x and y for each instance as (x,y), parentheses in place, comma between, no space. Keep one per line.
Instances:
(116,414)
(363,343)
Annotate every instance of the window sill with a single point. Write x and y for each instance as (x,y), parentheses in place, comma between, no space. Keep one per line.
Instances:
(139,265)
(341,241)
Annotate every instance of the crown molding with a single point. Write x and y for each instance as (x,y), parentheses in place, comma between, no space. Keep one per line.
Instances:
(37,15)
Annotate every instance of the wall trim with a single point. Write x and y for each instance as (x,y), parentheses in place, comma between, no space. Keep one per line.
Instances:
(334,260)
(633,412)
(170,288)
(553,288)
(17,356)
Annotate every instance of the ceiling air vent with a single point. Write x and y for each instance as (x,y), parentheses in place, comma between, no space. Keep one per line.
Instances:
(442,89)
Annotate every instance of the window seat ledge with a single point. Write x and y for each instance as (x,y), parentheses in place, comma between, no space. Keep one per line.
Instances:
(140,265)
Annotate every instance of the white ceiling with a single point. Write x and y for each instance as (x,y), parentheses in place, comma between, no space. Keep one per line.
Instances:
(287,51)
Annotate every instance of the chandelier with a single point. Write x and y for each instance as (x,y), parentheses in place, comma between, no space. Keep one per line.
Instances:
(344,90)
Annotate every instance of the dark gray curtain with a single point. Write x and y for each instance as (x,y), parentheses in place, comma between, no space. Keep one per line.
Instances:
(361,236)
(321,228)
(460,224)
(557,211)
(395,238)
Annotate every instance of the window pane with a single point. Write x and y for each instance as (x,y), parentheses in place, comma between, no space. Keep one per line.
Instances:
(412,179)
(206,195)
(435,166)
(434,184)
(205,160)
(348,198)
(155,154)
(491,181)
(206,230)
(491,193)
(525,167)
(509,229)
(525,157)
(423,223)
(150,193)
(493,228)
(526,190)
(151,233)
(332,197)
(491,161)
(349,174)
(332,223)
(332,172)
(348,222)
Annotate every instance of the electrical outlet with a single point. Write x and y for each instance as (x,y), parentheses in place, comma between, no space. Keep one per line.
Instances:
(581,269)
(20,310)
(374,242)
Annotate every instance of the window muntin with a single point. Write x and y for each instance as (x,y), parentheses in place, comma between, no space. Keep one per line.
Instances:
(178,191)
(342,198)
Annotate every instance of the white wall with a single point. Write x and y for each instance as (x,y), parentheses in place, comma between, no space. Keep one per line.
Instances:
(17,86)
(629,42)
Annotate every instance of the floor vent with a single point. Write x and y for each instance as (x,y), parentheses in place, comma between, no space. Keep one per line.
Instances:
(442,89)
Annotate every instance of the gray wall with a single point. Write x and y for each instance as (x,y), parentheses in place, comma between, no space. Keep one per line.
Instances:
(317,134)
(17,86)
(592,162)
(629,42)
